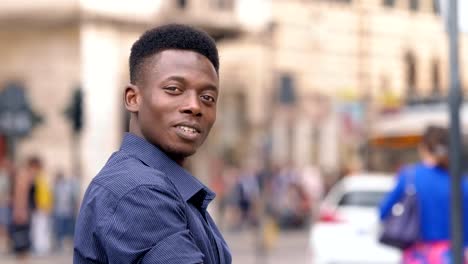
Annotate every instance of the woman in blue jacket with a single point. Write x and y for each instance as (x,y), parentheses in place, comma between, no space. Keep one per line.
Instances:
(432,183)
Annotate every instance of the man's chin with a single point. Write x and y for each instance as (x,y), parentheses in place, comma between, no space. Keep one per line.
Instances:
(180,153)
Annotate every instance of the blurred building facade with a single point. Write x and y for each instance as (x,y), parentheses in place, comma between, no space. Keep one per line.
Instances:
(301,80)
(339,73)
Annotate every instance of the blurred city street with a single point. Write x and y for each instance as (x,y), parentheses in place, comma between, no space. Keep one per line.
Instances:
(328,112)
(291,247)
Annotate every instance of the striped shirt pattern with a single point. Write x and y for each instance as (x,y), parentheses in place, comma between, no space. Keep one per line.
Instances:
(143,207)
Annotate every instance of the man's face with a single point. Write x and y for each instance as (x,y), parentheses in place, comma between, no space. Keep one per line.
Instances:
(178,94)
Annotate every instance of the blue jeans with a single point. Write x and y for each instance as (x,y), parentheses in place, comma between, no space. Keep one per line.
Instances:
(63,227)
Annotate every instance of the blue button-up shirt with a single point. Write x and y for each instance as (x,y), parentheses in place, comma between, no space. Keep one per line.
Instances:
(143,207)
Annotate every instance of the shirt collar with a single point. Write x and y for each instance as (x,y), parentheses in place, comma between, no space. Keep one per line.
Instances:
(187,185)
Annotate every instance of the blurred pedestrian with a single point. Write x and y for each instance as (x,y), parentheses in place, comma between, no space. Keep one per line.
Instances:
(41,224)
(144,207)
(248,194)
(431,181)
(289,200)
(65,202)
(231,175)
(5,201)
(223,176)
(312,182)
(22,204)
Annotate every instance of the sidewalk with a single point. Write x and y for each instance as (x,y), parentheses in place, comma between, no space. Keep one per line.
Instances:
(291,247)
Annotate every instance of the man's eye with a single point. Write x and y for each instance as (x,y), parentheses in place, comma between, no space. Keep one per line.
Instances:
(173,89)
(208,98)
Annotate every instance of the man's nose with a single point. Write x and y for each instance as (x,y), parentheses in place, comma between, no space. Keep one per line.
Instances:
(192,105)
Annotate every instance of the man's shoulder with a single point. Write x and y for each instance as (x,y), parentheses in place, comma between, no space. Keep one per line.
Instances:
(123,173)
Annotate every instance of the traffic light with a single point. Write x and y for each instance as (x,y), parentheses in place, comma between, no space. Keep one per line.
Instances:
(74,111)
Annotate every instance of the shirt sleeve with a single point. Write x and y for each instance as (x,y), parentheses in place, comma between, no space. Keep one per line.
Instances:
(393,196)
(149,225)
(96,206)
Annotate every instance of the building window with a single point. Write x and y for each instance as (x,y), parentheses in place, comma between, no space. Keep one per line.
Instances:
(436,7)
(287,94)
(241,120)
(414,5)
(435,73)
(182,4)
(223,4)
(389,3)
(234,124)
(410,67)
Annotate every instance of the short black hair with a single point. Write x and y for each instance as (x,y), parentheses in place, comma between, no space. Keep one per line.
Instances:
(171,36)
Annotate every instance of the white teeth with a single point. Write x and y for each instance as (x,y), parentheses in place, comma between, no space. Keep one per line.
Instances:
(188,129)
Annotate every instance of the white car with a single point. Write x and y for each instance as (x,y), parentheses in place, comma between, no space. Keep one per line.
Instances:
(346,230)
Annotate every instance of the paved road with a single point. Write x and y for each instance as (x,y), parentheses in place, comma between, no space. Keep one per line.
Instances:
(289,248)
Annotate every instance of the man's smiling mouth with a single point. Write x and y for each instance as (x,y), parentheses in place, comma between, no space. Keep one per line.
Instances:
(188,129)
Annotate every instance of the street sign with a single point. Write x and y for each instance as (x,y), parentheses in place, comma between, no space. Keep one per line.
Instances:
(16,116)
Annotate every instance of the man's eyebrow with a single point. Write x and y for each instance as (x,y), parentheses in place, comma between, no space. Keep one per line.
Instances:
(176,78)
(211,87)
(181,79)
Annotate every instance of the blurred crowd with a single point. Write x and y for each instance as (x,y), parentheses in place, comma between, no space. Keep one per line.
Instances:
(37,210)
(287,194)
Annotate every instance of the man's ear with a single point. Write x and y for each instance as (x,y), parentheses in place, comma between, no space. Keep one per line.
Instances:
(132,98)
